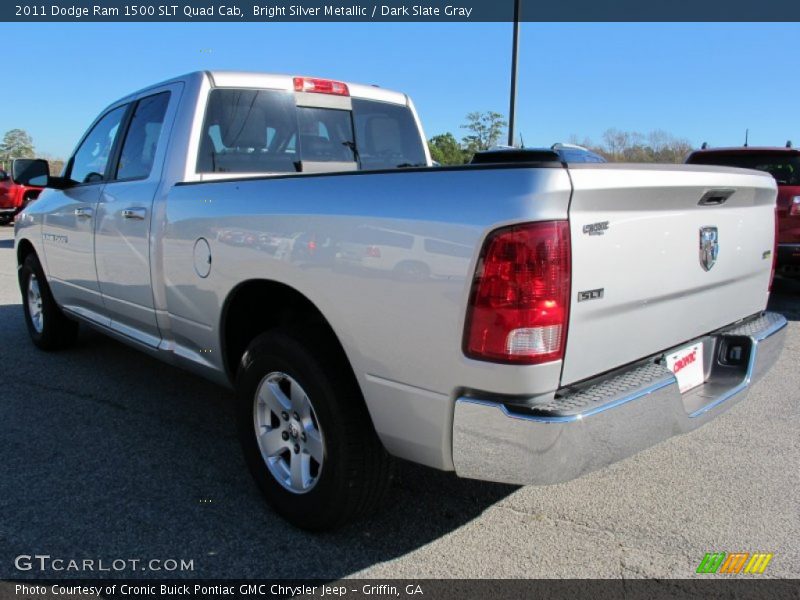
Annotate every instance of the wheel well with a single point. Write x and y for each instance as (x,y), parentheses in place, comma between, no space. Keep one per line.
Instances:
(23,249)
(256,306)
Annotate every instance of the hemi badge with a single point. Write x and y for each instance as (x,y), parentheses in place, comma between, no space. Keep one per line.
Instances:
(590,294)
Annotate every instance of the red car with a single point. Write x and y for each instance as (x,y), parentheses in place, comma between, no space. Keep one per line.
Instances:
(784,165)
(14,196)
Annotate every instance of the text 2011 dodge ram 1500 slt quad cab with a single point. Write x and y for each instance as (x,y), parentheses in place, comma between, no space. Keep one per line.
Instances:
(523,322)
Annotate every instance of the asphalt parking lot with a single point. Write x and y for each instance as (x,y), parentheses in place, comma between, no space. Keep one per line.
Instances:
(109,454)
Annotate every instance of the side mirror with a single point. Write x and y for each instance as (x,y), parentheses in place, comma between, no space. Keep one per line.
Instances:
(4,176)
(31,171)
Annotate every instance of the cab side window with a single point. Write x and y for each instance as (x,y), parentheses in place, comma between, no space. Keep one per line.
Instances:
(141,140)
(90,161)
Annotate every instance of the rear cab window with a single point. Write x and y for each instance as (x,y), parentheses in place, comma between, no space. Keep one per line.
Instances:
(269,131)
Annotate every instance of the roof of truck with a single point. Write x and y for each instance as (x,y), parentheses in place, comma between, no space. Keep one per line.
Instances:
(277,81)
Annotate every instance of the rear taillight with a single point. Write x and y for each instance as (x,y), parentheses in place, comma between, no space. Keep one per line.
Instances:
(320,86)
(774,252)
(794,207)
(519,303)
(373,252)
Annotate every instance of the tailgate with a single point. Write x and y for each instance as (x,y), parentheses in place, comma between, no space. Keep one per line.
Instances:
(641,282)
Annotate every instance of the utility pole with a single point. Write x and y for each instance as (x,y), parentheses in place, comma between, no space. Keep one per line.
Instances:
(512,109)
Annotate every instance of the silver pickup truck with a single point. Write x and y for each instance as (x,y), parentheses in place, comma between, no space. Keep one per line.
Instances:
(522,320)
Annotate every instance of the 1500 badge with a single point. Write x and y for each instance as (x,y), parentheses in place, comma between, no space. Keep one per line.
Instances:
(596,228)
(57,239)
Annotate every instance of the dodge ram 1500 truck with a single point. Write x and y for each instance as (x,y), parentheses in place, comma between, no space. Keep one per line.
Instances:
(522,321)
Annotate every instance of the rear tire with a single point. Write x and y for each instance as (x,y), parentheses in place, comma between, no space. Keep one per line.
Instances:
(346,470)
(48,327)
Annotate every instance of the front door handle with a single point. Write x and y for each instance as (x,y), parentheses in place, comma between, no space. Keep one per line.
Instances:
(135,213)
(83,213)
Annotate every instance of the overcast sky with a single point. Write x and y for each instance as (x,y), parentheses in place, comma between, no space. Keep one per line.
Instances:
(703,82)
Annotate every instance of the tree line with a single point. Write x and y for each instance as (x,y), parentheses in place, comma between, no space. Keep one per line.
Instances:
(484,130)
(17,143)
(656,146)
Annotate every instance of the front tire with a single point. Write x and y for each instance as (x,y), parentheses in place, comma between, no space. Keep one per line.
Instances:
(48,327)
(306,435)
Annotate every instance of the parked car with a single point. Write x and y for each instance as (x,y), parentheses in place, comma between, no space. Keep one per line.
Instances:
(784,165)
(572,153)
(14,196)
(589,310)
(566,153)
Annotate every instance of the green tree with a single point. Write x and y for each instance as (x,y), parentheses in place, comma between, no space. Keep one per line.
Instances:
(16,144)
(446,150)
(485,129)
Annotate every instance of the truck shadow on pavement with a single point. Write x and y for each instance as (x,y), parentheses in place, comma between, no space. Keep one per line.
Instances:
(785,297)
(111,454)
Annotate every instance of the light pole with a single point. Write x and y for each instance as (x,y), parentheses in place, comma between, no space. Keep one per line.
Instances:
(512,109)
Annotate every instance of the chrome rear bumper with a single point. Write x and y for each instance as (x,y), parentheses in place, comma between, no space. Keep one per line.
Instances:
(605,420)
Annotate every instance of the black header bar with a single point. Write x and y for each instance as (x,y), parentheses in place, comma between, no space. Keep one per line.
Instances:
(462,11)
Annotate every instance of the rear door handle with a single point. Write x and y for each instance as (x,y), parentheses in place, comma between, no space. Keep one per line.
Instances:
(135,213)
(83,213)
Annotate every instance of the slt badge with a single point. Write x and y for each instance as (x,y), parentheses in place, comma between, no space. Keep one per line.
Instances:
(709,247)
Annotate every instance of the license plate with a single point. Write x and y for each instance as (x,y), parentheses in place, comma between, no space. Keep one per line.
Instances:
(687,364)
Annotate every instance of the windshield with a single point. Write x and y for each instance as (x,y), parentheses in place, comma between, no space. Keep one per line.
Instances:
(263,131)
(783,166)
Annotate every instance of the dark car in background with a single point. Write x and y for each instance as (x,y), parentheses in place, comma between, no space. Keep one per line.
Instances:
(572,153)
(563,153)
(783,163)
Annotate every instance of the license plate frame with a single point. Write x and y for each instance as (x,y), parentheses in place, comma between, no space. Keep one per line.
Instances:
(688,367)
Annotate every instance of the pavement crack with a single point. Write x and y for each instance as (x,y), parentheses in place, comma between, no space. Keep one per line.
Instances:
(555,521)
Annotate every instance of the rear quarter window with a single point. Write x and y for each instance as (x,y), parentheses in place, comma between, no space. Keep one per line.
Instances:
(383,237)
(448,248)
